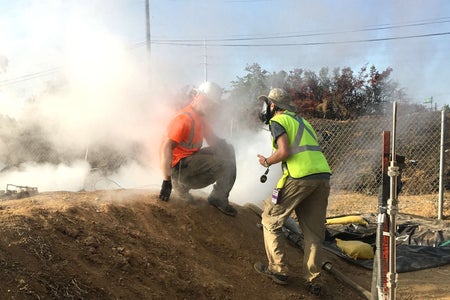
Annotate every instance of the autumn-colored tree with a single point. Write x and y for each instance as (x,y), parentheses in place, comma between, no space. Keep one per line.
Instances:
(340,94)
(347,93)
(299,85)
(379,90)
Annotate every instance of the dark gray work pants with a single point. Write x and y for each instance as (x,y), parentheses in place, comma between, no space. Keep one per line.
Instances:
(207,166)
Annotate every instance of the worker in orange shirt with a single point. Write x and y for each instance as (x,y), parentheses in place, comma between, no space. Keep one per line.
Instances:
(186,164)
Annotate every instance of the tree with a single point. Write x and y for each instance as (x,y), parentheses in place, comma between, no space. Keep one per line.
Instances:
(340,94)
(277,79)
(299,87)
(446,108)
(251,85)
(351,88)
(244,93)
(379,90)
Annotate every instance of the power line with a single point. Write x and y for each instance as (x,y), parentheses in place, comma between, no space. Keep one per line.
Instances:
(299,34)
(162,42)
(202,42)
(29,76)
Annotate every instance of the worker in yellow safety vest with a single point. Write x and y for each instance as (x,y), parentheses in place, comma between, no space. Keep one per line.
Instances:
(304,188)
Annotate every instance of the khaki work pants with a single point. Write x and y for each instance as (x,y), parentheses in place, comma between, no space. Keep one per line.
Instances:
(309,199)
(207,166)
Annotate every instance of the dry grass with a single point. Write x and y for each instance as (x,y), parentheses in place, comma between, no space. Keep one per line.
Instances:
(353,203)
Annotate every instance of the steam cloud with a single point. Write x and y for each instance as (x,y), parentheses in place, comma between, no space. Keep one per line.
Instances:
(105,94)
(103,97)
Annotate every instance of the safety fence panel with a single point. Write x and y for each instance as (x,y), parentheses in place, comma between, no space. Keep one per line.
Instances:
(353,149)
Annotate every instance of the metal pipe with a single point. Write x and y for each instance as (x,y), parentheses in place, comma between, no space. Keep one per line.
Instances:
(328,266)
(393,172)
(380,265)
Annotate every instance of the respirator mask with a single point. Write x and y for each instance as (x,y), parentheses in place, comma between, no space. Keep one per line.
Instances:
(266,113)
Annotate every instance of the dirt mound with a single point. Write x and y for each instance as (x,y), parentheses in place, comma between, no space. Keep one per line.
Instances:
(126,244)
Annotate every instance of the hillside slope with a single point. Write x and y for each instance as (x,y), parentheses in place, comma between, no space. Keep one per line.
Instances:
(126,244)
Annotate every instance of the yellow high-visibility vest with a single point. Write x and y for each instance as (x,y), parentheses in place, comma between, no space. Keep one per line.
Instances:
(306,155)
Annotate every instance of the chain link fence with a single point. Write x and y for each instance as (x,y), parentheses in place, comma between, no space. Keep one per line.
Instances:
(353,149)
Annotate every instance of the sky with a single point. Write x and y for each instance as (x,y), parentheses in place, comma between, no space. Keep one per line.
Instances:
(193,40)
(116,84)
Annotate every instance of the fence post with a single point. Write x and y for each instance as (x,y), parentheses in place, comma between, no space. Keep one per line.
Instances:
(441,166)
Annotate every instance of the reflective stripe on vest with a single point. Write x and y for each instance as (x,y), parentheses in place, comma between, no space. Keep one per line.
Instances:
(296,148)
(306,159)
(189,144)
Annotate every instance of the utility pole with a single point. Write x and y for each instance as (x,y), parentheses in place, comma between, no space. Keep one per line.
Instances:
(147,25)
(148,65)
(206,59)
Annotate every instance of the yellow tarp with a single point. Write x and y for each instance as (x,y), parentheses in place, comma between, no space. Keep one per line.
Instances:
(355,249)
(347,220)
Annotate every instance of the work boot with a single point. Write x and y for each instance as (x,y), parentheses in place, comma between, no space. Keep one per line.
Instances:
(313,288)
(223,207)
(277,278)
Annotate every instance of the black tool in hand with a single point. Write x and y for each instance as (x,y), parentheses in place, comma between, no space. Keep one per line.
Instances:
(263,177)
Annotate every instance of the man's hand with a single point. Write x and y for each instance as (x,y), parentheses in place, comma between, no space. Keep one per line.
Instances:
(166,189)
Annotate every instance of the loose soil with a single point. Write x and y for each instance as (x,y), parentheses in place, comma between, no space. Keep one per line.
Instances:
(127,244)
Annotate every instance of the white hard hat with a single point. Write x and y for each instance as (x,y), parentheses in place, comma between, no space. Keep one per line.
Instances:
(211,90)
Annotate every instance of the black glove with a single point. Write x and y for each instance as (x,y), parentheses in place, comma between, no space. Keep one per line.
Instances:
(166,189)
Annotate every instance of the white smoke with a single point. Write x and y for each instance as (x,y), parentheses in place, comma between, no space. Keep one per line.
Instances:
(103,96)
(48,177)
(106,94)
(248,187)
